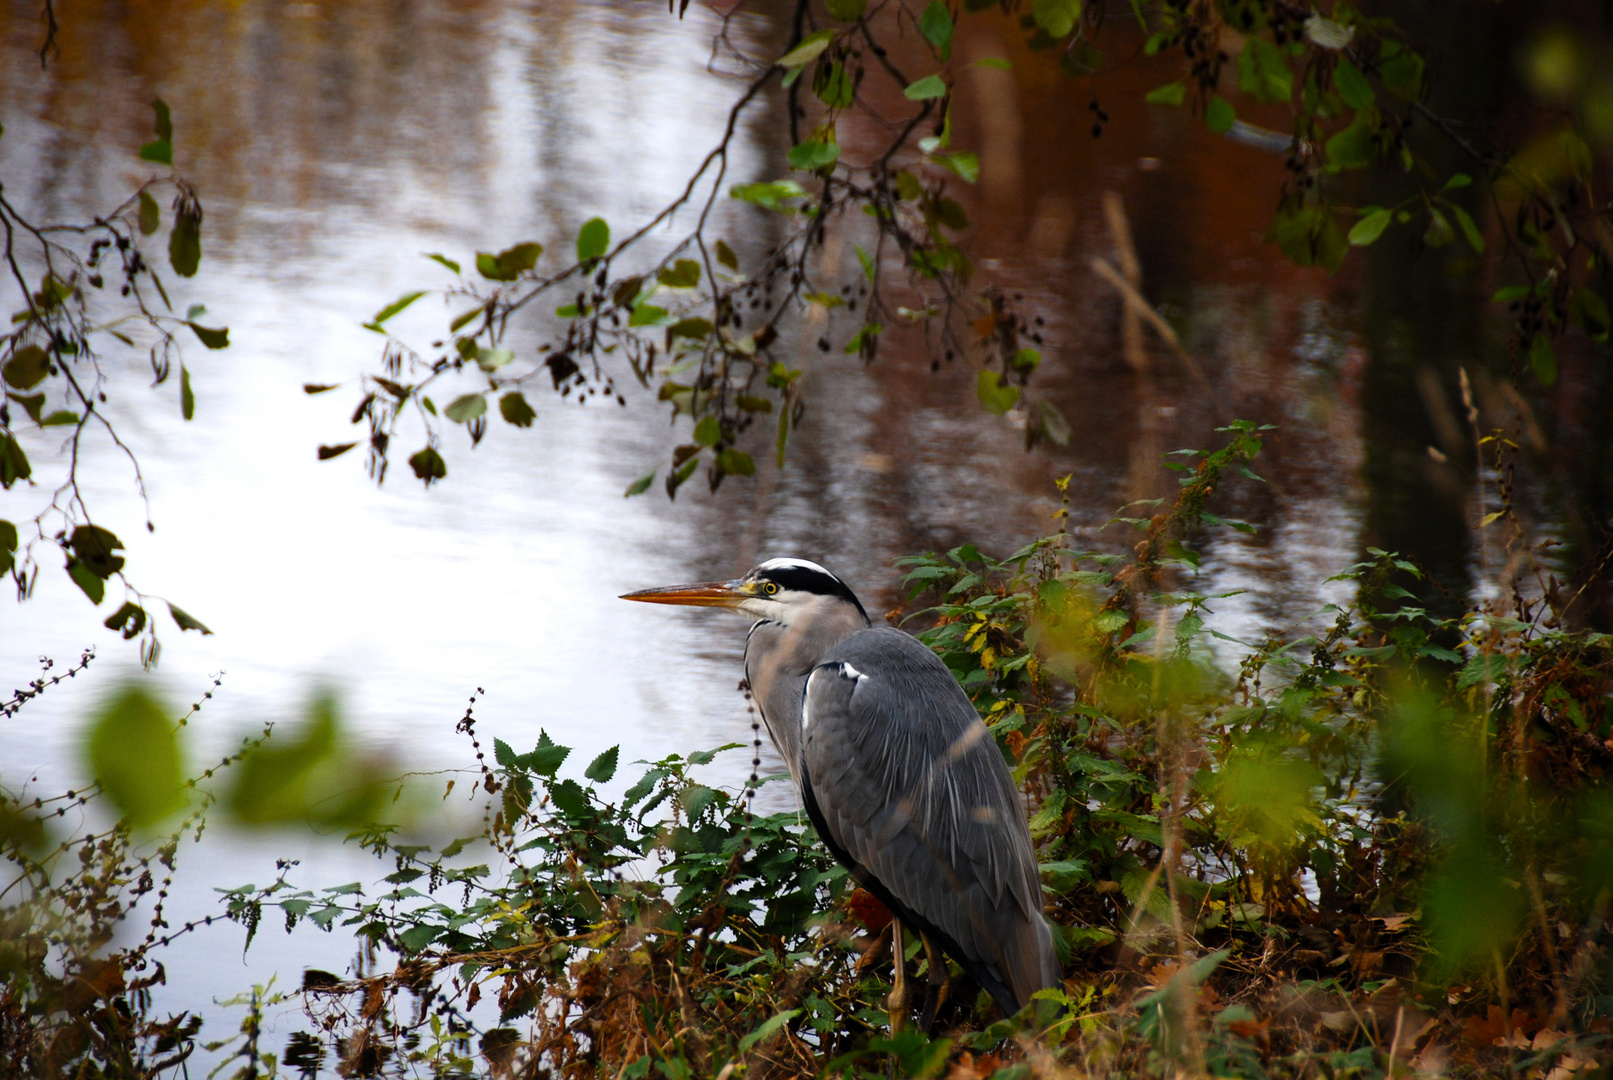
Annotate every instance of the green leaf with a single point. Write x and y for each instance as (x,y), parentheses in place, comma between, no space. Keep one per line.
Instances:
(810,49)
(1543,360)
(1588,311)
(515,410)
(213,339)
(95,548)
(767,194)
(1354,147)
(27,367)
(1457,181)
(164,126)
(647,315)
(187,398)
(935,23)
(520,258)
(846,10)
(1401,70)
(726,256)
(465,408)
(503,754)
(1370,227)
(735,463)
(134,753)
(1056,17)
(593,240)
(1352,85)
(185,245)
(1027,359)
(396,306)
(328,452)
(640,486)
(931,86)
(1170,94)
(546,758)
(160,151)
(60,418)
(32,404)
(93,587)
(683,274)
(695,328)
(1219,115)
(603,767)
(13,462)
(130,619)
(428,465)
(964,162)
(417,937)
(1509,293)
(490,360)
(1263,71)
(150,214)
(814,154)
(464,317)
(185,621)
(444,260)
(867,261)
(1470,229)
(996,393)
(768,1027)
(998,62)
(8,547)
(708,431)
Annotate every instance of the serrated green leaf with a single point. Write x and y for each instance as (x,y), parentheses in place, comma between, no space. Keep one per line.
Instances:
(603,767)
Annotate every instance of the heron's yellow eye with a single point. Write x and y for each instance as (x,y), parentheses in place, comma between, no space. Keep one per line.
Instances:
(770,588)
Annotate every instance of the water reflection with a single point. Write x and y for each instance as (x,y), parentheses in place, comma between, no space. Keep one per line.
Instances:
(334,143)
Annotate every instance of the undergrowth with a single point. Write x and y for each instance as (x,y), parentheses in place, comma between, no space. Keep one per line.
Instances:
(1380,849)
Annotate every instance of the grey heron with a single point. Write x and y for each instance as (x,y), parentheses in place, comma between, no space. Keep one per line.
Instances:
(896,772)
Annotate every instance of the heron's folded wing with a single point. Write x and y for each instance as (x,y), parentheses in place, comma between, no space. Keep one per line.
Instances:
(909,784)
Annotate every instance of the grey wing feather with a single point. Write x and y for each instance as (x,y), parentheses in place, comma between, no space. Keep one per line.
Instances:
(910,786)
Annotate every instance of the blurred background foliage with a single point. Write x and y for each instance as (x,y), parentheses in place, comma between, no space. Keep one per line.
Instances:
(1383,848)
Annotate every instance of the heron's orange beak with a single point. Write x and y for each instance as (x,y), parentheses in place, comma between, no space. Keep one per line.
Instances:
(708,594)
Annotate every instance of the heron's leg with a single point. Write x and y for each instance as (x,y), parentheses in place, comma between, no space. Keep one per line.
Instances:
(898,1002)
(939,980)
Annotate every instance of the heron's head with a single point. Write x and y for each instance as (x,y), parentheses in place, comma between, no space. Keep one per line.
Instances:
(789,591)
